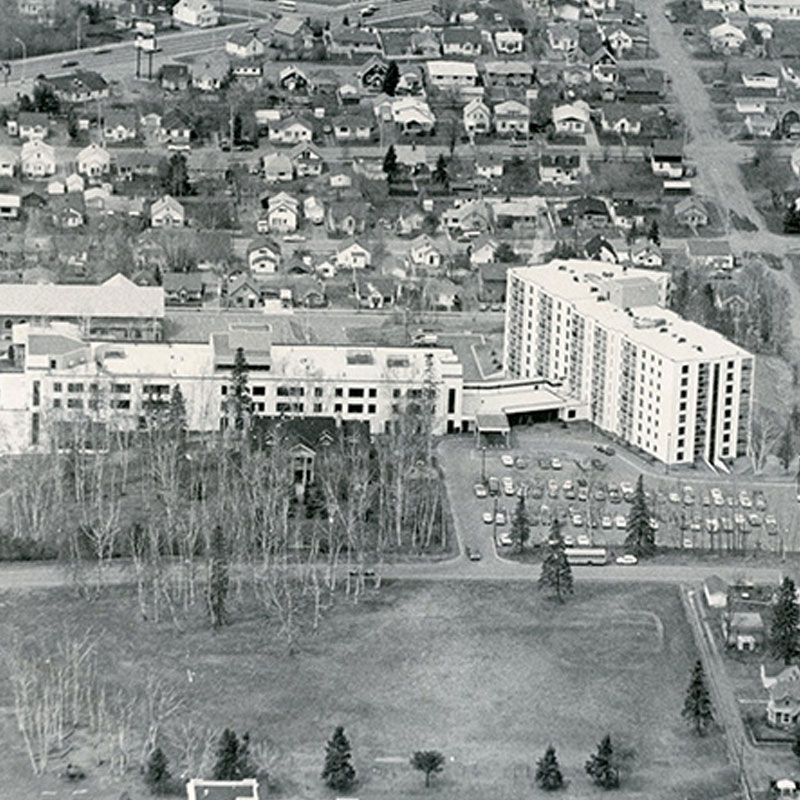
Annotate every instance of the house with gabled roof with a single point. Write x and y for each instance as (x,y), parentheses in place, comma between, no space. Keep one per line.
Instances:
(82,86)
(591,211)
(727,38)
(294,79)
(283,213)
(783,705)
(371,74)
(10,205)
(560,169)
(278,168)
(509,73)
(352,127)
(291,130)
(645,253)
(68,211)
(346,217)
(598,248)
(511,118)
(489,165)
(666,158)
(424,252)
(425,43)
(412,115)
(244,44)
(571,118)
(691,212)
(325,81)
(563,37)
(93,161)
(132,163)
(349,41)
(711,254)
(618,39)
(196,13)
(263,256)
(411,82)
(38,159)
(353,255)
(621,118)
(175,129)
(31,125)
(509,42)
(462,41)
(119,125)
(468,215)
(376,291)
(445,74)
(167,212)
(482,250)
(183,288)
(9,161)
(476,117)
(290,32)
(210,71)
(174,77)
(307,160)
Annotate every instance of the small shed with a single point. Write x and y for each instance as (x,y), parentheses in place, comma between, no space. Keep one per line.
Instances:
(715,591)
(744,630)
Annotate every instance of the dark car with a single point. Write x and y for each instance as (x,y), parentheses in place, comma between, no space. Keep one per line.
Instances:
(101,51)
(598,464)
(70,62)
(473,554)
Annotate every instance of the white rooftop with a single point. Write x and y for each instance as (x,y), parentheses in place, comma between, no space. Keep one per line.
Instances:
(452,68)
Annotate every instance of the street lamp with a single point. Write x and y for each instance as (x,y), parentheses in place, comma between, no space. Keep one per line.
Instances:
(483,463)
(494,521)
(24,58)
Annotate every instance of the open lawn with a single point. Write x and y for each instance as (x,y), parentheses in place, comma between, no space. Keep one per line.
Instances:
(488,673)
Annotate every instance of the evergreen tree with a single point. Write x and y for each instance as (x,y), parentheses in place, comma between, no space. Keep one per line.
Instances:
(556,572)
(520,525)
(440,175)
(548,772)
(176,417)
(641,538)
(233,758)
(784,642)
(791,220)
(785,451)
(175,176)
(157,776)
(391,79)
(218,581)
(429,762)
(390,164)
(632,235)
(239,401)
(601,766)
(697,705)
(338,772)
(653,233)
(796,742)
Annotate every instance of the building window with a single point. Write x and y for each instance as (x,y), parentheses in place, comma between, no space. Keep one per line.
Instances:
(290,391)
(373,392)
(121,388)
(74,402)
(36,393)
(53,363)
(355,408)
(317,391)
(317,408)
(75,388)
(684,369)
(355,392)
(371,408)
(337,408)
(56,387)
(679,456)
(121,404)
(259,391)
(35,428)
(338,392)
(223,390)
(57,402)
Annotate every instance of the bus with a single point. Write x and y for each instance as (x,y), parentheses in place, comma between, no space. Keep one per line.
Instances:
(677,187)
(287,5)
(586,556)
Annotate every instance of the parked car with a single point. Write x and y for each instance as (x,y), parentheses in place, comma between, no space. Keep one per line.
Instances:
(505,540)
(577,520)
(744,500)
(543,463)
(614,495)
(628,560)
(555,463)
(521,463)
(569,541)
(754,519)
(600,494)
(771,524)
(473,554)
(494,486)
(674,497)
(536,491)
(620,522)
(688,544)
(501,517)
(760,501)
(480,490)
(488,517)
(598,464)
(70,62)
(606,522)
(507,460)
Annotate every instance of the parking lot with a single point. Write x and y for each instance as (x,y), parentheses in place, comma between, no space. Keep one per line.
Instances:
(565,475)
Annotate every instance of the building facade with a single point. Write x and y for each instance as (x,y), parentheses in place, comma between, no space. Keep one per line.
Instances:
(674,389)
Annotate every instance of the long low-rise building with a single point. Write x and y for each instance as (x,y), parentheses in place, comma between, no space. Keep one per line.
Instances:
(58,380)
(637,370)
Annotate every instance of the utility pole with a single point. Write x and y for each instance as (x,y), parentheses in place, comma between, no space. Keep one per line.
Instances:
(494,521)
(483,463)
(24,57)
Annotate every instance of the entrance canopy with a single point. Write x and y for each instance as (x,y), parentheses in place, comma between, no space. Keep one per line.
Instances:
(492,426)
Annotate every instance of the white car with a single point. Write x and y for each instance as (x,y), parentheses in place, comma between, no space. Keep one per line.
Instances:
(626,487)
(628,560)
(688,544)
(577,520)
(508,486)
(674,497)
(584,541)
(567,485)
(507,460)
(555,463)
(488,517)
(620,522)
(505,539)
(744,500)
(606,522)
(654,523)
(568,541)
(480,490)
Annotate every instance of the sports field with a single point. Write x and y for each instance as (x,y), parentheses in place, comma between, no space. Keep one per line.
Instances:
(488,673)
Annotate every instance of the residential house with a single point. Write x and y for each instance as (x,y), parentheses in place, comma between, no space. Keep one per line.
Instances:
(313,210)
(761,77)
(563,37)
(372,73)
(210,71)
(603,65)
(167,212)
(410,221)
(761,126)
(571,118)
(590,211)
(10,205)
(626,213)
(352,127)
(727,38)
(9,161)
(32,125)
(307,160)
(560,169)
(509,42)
(642,86)
(715,591)
(666,158)
(425,44)
(95,198)
(55,187)
(131,164)
(174,77)
(452,74)
(783,705)
(468,215)
(119,125)
(93,161)
(38,159)
(350,41)
(340,179)
(68,211)
(207,165)
(376,291)
(723,7)
(750,104)
(492,280)
(744,630)
(412,115)
(175,129)
(248,72)
(477,117)
(283,213)
(489,165)
(646,254)
(244,291)
(482,251)
(511,118)
(291,130)
(263,256)
(465,42)
(567,10)
(423,252)
(278,168)
(598,248)
(349,93)
(183,288)
(294,79)
(519,213)
(82,86)
(291,33)
(244,44)
(197,13)
(346,217)
(712,254)
(618,39)
(508,74)
(353,255)
(621,118)
(691,212)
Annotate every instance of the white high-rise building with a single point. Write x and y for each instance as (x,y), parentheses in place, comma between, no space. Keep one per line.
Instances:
(637,370)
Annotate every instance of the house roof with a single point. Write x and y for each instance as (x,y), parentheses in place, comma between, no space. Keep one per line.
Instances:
(688,204)
(714,584)
(709,247)
(115,117)
(242,37)
(563,160)
(744,621)
(263,241)
(116,297)
(33,118)
(443,67)
(78,80)
(508,68)
(174,281)
(667,148)
(459,35)
(289,25)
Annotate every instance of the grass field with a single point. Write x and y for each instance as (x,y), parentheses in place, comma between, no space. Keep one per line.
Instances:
(488,673)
